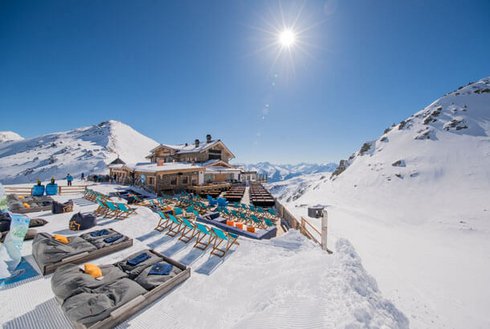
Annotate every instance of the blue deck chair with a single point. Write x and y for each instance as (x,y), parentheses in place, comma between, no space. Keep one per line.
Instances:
(175,226)
(113,209)
(178,211)
(222,237)
(125,210)
(203,237)
(163,223)
(188,230)
(269,223)
(222,203)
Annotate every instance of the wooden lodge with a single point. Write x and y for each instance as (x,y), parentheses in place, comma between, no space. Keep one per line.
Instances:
(200,167)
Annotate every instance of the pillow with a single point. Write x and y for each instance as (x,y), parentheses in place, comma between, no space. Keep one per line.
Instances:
(92,270)
(61,238)
(37,222)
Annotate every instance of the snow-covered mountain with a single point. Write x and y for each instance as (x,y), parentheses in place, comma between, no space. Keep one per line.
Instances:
(9,136)
(86,150)
(280,172)
(415,203)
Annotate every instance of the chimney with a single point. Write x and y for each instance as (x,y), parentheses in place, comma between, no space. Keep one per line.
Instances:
(160,162)
(196,142)
(208,138)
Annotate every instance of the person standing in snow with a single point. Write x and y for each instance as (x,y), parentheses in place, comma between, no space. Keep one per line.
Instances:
(82,177)
(69,179)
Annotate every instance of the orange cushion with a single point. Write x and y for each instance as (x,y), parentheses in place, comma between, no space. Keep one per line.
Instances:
(26,205)
(92,270)
(239,225)
(230,223)
(61,238)
(251,229)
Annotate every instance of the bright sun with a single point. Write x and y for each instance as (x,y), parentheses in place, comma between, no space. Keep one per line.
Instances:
(287,38)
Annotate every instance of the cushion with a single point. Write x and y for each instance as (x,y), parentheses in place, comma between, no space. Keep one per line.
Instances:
(47,250)
(101,241)
(61,238)
(150,281)
(92,270)
(37,222)
(134,270)
(79,221)
(94,305)
(69,280)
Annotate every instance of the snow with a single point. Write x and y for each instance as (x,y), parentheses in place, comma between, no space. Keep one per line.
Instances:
(83,150)
(286,282)
(422,226)
(9,136)
(154,167)
(279,172)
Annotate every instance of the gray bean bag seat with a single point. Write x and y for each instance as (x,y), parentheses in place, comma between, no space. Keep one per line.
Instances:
(103,238)
(46,249)
(134,270)
(150,281)
(96,304)
(70,280)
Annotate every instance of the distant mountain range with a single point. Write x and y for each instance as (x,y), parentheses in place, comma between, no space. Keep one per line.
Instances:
(83,150)
(280,172)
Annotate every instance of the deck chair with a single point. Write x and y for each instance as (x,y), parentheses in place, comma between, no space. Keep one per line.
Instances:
(102,209)
(163,223)
(188,230)
(178,211)
(229,239)
(256,221)
(175,226)
(203,237)
(125,210)
(112,209)
(269,223)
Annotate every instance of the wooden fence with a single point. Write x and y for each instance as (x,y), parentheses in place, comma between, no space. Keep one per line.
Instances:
(62,190)
(303,225)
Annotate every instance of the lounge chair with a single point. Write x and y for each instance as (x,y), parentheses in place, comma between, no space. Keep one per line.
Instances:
(175,226)
(203,237)
(188,230)
(222,237)
(125,210)
(51,254)
(163,223)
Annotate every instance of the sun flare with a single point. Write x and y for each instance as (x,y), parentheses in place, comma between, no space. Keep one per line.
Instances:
(287,38)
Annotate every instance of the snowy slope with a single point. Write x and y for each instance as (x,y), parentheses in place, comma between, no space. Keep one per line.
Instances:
(9,136)
(286,282)
(415,204)
(279,172)
(86,150)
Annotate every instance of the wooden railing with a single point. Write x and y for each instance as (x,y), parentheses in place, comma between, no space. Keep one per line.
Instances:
(302,226)
(62,190)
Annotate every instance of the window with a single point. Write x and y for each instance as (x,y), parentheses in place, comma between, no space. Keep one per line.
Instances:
(214,154)
(173,181)
(185,180)
(151,180)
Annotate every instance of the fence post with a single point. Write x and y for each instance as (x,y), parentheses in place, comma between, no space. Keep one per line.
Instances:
(59,190)
(324,230)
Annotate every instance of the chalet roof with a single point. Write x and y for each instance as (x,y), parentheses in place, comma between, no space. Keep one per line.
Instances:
(117,161)
(192,148)
(150,167)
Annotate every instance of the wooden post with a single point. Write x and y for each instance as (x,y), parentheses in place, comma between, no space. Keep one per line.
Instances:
(324,233)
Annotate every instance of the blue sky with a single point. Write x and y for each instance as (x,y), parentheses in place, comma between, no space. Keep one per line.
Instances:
(178,70)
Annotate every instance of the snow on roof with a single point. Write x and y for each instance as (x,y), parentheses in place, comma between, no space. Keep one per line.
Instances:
(215,169)
(191,147)
(168,166)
